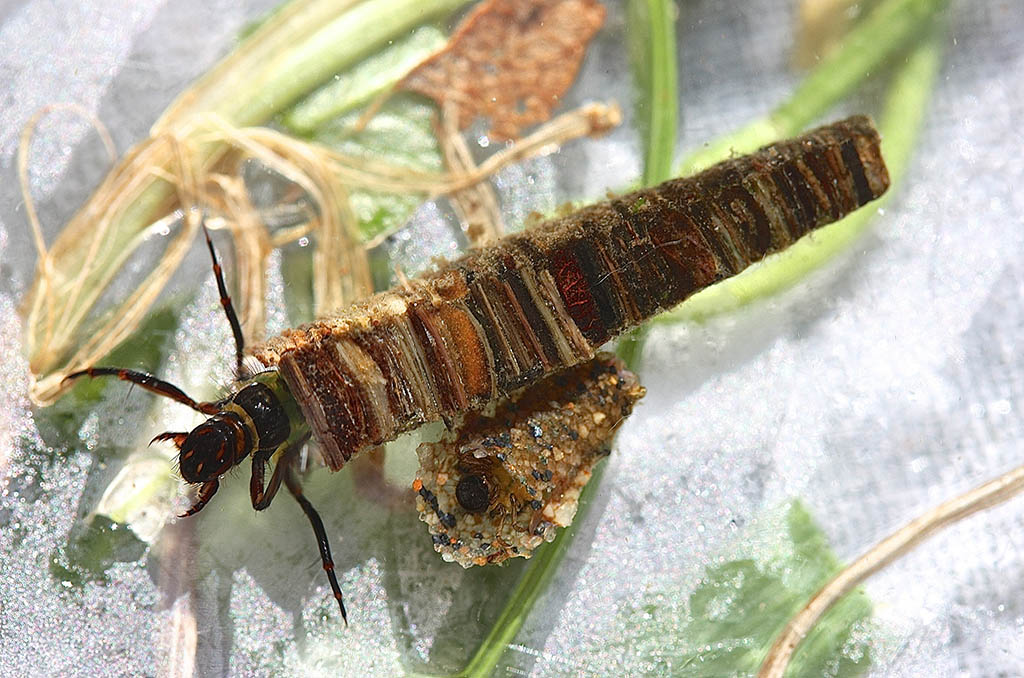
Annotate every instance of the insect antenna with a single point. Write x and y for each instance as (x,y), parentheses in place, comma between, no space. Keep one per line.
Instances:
(149,383)
(167,389)
(225,302)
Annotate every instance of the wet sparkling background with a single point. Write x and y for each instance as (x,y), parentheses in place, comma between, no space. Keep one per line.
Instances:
(883,385)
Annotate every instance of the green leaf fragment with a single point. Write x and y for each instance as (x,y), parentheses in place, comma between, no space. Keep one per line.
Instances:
(401,135)
(737,609)
(93,547)
(367,80)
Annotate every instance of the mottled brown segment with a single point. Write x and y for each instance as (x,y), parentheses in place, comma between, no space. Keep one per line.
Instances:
(579,302)
(853,166)
(514,345)
(330,397)
(651,283)
(529,311)
(540,301)
(503,362)
(698,226)
(383,348)
(426,323)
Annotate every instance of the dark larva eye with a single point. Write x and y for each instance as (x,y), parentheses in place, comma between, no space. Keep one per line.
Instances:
(472,493)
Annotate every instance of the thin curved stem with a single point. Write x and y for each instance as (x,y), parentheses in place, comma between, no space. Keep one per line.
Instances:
(901,542)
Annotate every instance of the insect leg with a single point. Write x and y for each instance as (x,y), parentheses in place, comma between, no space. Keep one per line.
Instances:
(225,302)
(206,493)
(261,497)
(148,382)
(321,535)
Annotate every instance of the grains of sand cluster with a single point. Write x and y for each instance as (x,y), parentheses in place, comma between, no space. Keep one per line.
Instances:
(531,458)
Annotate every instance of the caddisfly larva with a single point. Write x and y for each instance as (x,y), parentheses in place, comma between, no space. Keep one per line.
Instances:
(499,485)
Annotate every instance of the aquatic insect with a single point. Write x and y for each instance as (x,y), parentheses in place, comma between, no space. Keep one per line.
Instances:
(511,316)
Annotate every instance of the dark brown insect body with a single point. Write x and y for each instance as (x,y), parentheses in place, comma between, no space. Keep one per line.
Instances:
(504,317)
(508,316)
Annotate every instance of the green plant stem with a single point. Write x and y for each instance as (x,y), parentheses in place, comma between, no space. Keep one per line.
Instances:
(890,28)
(652,42)
(371,78)
(906,102)
(531,586)
(296,50)
(653,51)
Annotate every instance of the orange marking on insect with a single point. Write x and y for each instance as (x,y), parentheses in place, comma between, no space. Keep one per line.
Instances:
(417,485)
(199,467)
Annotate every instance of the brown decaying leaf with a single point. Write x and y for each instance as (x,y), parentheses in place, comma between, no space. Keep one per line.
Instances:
(509,61)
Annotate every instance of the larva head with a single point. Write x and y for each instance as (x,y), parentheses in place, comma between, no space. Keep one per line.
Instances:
(473,492)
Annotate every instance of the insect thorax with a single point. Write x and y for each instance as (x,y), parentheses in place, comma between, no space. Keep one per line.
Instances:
(260,415)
